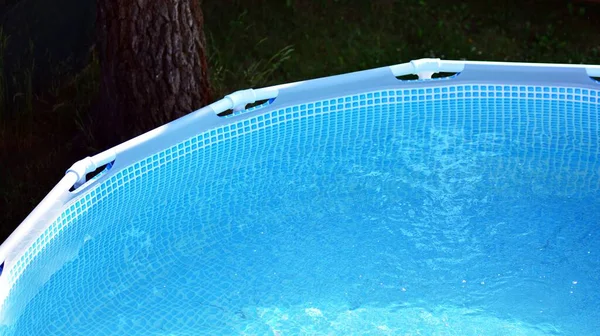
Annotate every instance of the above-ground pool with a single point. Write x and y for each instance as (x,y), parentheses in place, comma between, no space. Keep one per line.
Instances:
(359,204)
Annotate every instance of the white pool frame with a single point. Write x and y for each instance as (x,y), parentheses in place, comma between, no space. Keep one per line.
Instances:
(206,118)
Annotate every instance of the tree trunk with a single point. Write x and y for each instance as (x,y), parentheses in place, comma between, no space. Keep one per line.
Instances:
(152,57)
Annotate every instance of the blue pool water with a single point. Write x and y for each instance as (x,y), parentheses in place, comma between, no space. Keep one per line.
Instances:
(464,217)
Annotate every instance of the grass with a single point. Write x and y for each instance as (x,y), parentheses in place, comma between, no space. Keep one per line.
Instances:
(40,137)
(256,43)
(332,37)
(3,43)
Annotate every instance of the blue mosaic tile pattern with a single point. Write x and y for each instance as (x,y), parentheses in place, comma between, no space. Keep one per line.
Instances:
(536,97)
(543,120)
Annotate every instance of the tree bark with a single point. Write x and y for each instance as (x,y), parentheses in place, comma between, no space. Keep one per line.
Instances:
(152,57)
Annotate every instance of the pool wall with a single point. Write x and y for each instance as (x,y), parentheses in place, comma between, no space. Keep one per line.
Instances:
(551,84)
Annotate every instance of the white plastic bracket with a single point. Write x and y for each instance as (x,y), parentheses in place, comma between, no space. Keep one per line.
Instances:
(240,99)
(425,74)
(426,67)
(82,167)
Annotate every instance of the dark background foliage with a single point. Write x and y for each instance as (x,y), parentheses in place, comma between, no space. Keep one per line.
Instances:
(49,72)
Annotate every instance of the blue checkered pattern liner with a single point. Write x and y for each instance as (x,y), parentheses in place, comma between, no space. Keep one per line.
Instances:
(581,127)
